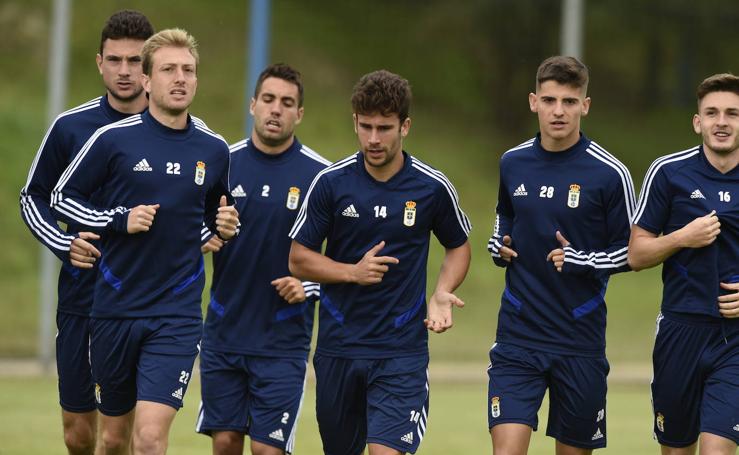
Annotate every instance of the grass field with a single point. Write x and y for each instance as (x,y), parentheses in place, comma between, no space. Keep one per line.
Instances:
(30,423)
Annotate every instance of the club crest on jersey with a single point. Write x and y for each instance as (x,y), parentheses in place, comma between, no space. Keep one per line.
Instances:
(409,214)
(200,173)
(660,422)
(573,198)
(293,196)
(495,406)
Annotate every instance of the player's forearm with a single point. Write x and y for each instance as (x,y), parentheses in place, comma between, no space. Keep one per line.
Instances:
(647,251)
(37,216)
(308,265)
(454,268)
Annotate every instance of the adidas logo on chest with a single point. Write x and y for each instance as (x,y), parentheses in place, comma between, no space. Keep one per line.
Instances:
(696,194)
(350,212)
(520,191)
(142,166)
(238,191)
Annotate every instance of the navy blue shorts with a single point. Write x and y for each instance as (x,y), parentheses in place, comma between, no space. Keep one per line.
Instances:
(146,359)
(258,396)
(76,391)
(519,377)
(696,381)
(361,401)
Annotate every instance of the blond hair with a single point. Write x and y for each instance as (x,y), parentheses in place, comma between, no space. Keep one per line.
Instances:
(171,37)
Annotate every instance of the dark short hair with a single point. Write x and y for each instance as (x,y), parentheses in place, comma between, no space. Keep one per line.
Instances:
(382,92)
(724,82)
(126,24)
(281,71)
(563,70)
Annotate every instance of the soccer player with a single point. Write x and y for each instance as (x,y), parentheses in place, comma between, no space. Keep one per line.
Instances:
(561,229)
(160,174)
(119,63)
(377,208)
(259,324)
(688,220)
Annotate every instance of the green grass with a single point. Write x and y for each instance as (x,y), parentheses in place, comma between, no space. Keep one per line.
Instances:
(30,421)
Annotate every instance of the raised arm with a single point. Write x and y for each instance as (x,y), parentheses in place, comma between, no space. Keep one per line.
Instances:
(647,249)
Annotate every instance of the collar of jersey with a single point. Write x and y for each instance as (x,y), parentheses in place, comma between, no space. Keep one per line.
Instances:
(165,131)
(564,155)
(395,178)
(111,113)
(279,158)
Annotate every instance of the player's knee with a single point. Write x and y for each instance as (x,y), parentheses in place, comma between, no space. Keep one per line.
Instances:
(258,448)
(228,442)
(80,442)
(115,443)
(149,440)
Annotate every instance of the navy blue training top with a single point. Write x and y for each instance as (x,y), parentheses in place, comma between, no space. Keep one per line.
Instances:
(679,188)
(64,138)
(585,193)
(246,315)
(351,210)
(140,161)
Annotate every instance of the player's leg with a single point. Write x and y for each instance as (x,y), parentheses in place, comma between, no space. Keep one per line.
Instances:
(224,402)
(113,357)
(516,387)
(720,404)
(712,444)
(341,404)
(566,449)
(76,392)
(510,438)
(577,403)
(379,449)
(688,450)
(116,433)
(228,443)
(397,404)
(167,353)
(276,388)
(80,430)
(151,427)
(677,384)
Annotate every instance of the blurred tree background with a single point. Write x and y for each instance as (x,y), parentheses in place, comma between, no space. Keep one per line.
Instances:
(471,64)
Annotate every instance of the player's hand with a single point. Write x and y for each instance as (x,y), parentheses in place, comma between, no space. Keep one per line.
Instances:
(700,232)
(557,256)
(506,252)
(728,305)
(290,289)
(371,268)
(82,253)
(141,217)
(439,318)
(213,245)
(227,220)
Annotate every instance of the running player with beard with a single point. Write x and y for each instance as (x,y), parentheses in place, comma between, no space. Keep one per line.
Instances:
(688,220)
(260,318)
(119,63)
(161,174)
(376,209)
